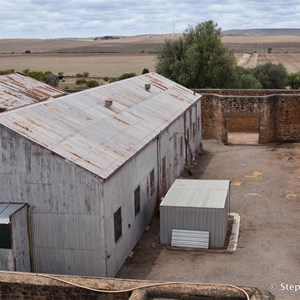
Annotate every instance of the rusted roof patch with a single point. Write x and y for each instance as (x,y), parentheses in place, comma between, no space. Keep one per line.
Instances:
(17,90)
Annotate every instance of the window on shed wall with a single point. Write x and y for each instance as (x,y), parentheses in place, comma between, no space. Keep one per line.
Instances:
(137,200)
(5,237)
(175,146)
(118,224)
(163,165)
(194,129)
(152,185)
(188,135)
(181,146)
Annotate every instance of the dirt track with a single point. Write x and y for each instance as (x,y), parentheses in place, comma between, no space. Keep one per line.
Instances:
(265,191)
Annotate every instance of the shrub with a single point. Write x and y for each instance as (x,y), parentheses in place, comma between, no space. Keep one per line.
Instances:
(4,72)
(126,75)
(294,80)
(81,81)
(92,83)
(145,71)
(86,74)
(79,75)
(60,75)
(47,77)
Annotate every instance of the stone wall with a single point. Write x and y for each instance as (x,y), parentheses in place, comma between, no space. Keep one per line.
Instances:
(246,92)
(31,286)
(276,117)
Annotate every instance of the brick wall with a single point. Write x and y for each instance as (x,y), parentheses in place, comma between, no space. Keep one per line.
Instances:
(275,116)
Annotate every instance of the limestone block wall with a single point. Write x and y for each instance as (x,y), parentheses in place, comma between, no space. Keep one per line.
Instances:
(287,118)
(275,116)
(32,286)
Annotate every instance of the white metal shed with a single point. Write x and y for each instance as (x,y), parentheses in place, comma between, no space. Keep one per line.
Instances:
(198,205)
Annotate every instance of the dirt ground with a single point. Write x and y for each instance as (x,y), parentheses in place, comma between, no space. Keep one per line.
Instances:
(265,192)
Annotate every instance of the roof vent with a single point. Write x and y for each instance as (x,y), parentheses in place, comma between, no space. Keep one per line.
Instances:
(108,103)
(147,87)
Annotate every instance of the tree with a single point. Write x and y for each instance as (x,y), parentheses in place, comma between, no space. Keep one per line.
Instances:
(51,79)
(294,80)
(198,59)
(244,79)
(271,76)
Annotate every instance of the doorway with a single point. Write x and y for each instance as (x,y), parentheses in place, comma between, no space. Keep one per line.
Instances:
(243,129)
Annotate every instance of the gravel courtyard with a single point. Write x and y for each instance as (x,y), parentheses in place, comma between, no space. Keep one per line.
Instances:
(265,192)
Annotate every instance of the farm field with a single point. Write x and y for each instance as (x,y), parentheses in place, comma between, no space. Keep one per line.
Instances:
(250,60)
(99,65)
(113,57)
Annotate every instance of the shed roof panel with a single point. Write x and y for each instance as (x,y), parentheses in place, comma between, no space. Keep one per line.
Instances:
(82,129)
(197,193)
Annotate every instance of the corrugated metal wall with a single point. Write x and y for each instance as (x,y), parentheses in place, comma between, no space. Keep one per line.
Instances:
(20,240)
(119,189)
(7,260)
(213,220)
(66,206)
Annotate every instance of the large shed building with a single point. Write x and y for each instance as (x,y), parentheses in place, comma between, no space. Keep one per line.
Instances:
(91,167)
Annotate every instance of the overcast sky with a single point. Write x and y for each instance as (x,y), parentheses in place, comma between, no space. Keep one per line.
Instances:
(90,18)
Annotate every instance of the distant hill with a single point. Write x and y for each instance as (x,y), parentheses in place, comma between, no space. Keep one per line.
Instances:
(263,31)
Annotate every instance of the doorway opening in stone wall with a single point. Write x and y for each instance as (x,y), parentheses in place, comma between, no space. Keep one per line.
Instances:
(243,129)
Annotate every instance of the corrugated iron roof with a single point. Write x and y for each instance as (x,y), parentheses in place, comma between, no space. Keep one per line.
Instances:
(7,210)
(197,193)
(80,128)
(17,90)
